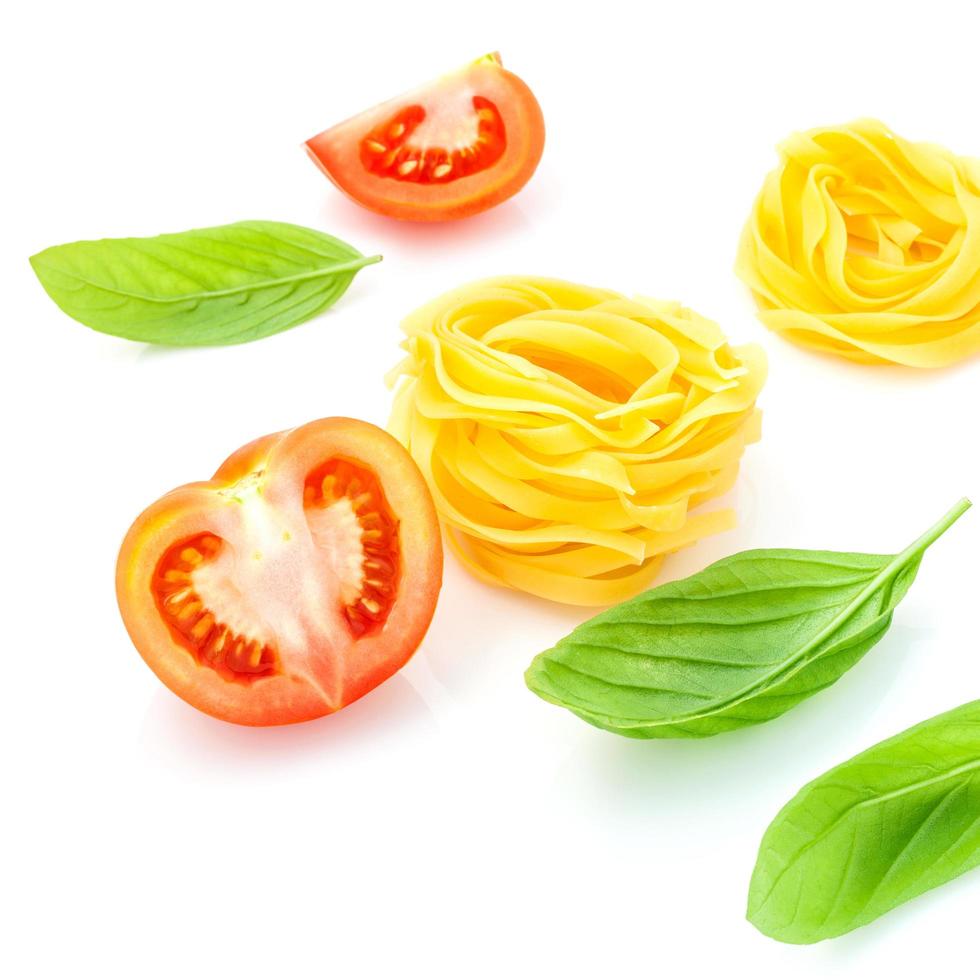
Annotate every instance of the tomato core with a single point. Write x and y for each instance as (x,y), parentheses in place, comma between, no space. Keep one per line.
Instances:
(389,151)
(349,518)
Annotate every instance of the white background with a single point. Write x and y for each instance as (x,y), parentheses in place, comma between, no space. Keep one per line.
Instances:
(450,824)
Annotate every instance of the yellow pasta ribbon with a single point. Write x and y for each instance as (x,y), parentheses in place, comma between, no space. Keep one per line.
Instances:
(567,432)
(865,245)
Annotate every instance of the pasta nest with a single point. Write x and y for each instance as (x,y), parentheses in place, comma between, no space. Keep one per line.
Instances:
(567,432)
(865,245)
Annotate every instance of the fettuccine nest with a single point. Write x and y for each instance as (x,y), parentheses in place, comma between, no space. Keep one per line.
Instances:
(567,433)
(865,245)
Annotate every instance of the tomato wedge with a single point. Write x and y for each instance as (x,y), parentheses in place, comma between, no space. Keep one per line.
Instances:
(300,576)
(448,150)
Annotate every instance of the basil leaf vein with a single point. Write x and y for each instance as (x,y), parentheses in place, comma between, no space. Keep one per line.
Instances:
(222,285)
(895,821)
(737,644)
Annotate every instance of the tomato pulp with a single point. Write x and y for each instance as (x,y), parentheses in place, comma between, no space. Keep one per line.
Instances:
(448,150)
(300,576)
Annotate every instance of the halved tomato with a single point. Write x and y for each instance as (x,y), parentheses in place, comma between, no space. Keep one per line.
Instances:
(448,150)
(304,573)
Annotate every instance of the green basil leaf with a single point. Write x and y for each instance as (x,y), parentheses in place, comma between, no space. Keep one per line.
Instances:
(737,644)
(222,285)
(893,822)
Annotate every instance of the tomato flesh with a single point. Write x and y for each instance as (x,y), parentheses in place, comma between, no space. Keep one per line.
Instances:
(389,151)
(451,149)
(303,574)
(192,620)
(345,502)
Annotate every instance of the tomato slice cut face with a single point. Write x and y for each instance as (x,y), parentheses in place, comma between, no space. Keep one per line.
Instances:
(448,150)
(302,575)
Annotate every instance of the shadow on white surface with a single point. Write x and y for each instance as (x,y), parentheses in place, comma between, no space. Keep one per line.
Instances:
(174,728)
(521,215)
(480,629)
(685,780)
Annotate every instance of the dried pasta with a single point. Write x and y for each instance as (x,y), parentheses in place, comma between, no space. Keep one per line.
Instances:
(865,245)
(567,433)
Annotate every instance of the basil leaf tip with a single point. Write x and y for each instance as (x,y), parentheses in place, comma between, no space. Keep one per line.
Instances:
(737,644)
(222,285)
(873,833)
